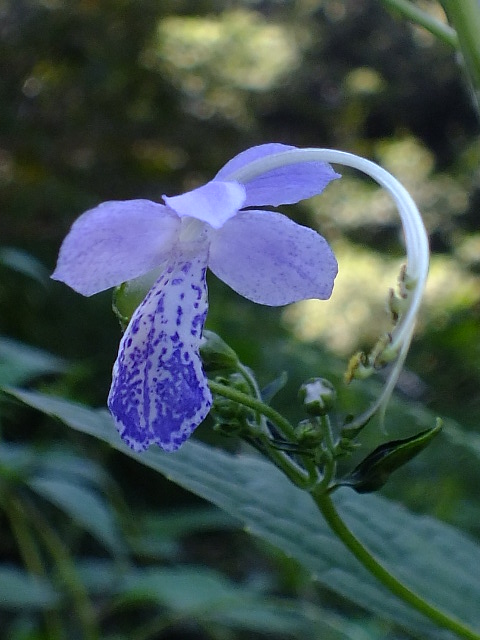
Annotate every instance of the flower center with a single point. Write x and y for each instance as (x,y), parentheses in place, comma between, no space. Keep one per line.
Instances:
(192,231)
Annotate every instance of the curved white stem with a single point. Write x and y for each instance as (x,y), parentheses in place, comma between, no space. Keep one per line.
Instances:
(416,239)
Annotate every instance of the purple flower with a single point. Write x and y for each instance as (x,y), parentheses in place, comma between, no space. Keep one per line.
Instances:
(159,391)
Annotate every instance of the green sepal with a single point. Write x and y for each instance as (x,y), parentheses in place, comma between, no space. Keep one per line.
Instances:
(374,471)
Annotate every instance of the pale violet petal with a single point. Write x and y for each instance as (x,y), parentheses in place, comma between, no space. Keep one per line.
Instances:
(214,202)
(159,392)
(115,242)
(269,259)
(286,185)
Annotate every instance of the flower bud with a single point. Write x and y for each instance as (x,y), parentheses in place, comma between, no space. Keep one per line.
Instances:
(309,433)
(318,396)
(225,409)
(216,354)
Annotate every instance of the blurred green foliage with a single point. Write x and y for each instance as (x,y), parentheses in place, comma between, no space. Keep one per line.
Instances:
(115,99)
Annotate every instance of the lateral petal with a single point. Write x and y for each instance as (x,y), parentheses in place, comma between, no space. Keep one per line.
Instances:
(285,185)
(267,258)
(159,392)
(114,242)
(214,202)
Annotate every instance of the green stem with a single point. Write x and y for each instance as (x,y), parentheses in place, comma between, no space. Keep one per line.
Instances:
(338,526)
(464,15)
(414,14)
(330,465)
(257,405)
(292,470)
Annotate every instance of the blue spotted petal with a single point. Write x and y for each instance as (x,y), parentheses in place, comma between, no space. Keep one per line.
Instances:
(159,393)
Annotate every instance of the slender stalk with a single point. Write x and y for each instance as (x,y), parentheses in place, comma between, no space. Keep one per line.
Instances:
(292,470)
(31,557)
(67,570)
(330,466)
(413,13)
(464,15)
(257,405)
(338,526)
(416,239)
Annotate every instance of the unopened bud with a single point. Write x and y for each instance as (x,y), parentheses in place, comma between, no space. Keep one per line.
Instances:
(216,354)
(318,396)
(308,433)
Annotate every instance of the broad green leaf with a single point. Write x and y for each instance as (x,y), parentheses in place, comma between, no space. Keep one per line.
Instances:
(183,522)
(199,593)
(100,576)
(16,460)
(280,617)
(83,505)
(20,590)
(437,561)
(202,593)
(158,534)
(20,363)
(183,589)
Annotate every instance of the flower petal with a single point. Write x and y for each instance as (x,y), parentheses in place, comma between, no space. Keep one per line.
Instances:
(269,259)
(286,185)
(214,202)
(159,392)
(115,242)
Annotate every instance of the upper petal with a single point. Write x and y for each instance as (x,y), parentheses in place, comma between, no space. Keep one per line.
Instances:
(115,242)
(285,185)
(269,259)
(159,392)
(214,202)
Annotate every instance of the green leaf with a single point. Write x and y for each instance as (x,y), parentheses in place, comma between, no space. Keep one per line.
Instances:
(430,557)
(20,363)
(184,522)
(185,590)
(100,576)
(84,506)
(157,534)
(24,263)
(205,594)
(375,470)
(20,590)
(15,460)
(199,593)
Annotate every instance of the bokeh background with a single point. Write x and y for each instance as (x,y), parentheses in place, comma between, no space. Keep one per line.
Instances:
(119,99)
